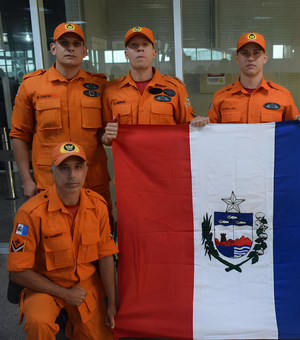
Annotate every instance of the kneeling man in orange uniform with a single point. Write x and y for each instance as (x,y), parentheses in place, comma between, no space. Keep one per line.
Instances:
(61,237)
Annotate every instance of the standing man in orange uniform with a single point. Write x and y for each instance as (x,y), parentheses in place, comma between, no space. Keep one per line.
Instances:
(58,237)
(145,96)
(58,104)
(252,99)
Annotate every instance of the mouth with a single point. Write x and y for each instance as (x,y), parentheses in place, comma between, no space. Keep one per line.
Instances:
(72,184)
(71,56)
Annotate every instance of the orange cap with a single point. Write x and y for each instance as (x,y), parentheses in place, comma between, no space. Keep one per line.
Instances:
(67,28)
(140,30)
(65,150)
(251,38)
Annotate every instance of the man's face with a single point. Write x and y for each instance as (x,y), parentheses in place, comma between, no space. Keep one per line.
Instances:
(251,59)
(140,52)
(70,175)
(69,50)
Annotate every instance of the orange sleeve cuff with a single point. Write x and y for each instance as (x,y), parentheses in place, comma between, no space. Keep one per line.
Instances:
(106,249)
(19,261)
(15,133)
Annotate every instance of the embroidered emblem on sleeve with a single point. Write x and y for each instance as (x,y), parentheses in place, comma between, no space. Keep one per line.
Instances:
(17,246)
(21,229)
(187,102)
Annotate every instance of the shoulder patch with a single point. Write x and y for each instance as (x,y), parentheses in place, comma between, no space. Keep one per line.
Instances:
(224,89)
(102,75)
(35,73)
(278,87)
(172,80)
(35,201)
(115,81)
(95,194)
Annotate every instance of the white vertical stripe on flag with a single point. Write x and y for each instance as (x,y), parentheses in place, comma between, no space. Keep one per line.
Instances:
(237,159)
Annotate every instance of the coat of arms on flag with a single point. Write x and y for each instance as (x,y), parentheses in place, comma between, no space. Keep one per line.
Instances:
(232,237)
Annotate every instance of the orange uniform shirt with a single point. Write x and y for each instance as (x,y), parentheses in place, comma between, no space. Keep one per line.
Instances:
(164,101)
(41,239)
(270,102)
(49,110)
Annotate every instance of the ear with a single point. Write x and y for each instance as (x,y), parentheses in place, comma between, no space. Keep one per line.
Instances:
(236,58)
(84,52)
(53,48)
(126,54)
(265,58)
(154,54)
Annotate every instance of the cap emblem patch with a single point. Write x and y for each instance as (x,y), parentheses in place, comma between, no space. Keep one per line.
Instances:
(68,147)
(137,29)
(251,36)
(70,27)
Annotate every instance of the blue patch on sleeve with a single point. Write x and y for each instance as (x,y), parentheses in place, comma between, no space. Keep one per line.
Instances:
(210,106)
(21,229)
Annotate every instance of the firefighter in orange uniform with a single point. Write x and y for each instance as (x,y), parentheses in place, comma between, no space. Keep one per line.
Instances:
(58,235)
(252,99)
(58,104)
(144,96)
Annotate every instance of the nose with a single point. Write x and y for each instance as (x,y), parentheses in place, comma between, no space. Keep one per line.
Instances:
(72,173)
(70,47)
(140,47)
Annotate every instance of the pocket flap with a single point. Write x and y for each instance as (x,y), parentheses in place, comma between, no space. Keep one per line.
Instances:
(270,116)
(57,242)
(90,238)
(91,102)
(162,108)
(231,117)
(122,109)
(48,104)
(44,159)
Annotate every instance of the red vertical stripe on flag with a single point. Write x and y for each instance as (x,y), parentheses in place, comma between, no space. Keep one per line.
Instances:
(155,232)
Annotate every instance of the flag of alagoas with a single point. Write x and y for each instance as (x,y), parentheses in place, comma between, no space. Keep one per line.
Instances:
(209,231)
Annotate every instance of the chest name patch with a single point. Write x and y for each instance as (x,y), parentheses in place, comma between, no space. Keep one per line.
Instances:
(47,95)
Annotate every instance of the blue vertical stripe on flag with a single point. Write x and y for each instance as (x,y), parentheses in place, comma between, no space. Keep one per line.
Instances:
(286,228)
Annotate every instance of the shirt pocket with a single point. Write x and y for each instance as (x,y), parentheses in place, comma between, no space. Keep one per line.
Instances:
(231,117)
(162,114)
(43,178)
(48,114)
(124,110)
(270,116)
(91,113)
(58,252)
(88,249)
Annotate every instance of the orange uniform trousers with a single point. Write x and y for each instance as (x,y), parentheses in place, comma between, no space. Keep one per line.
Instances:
(41,311)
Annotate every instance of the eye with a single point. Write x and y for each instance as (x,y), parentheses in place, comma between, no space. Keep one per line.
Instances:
(77,44)
(63,42)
